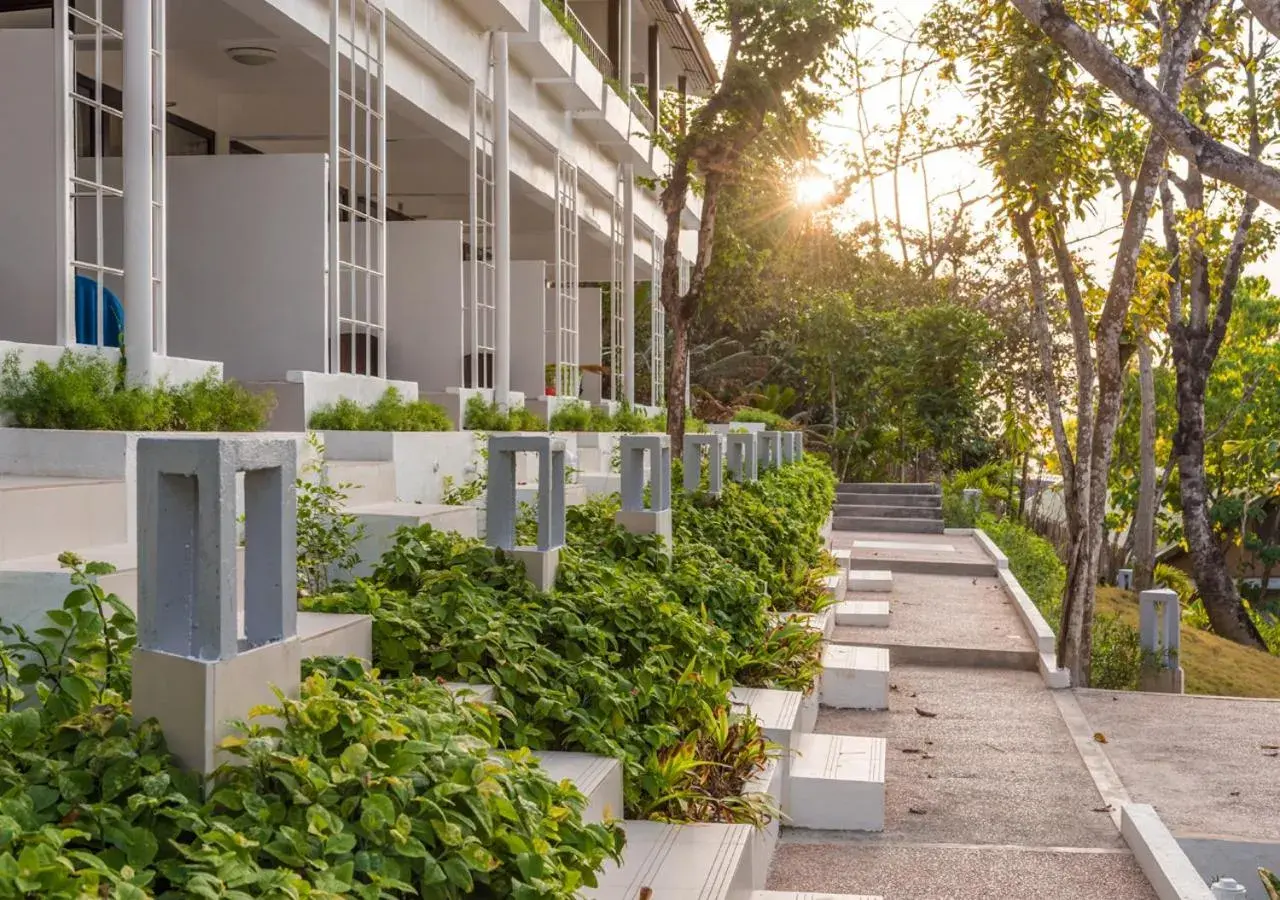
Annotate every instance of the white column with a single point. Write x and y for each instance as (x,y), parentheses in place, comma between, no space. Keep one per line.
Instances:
(624,64)
(138,190)
(502,221)
(629,280)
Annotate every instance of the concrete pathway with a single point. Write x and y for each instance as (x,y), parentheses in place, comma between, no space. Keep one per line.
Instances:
(986,794)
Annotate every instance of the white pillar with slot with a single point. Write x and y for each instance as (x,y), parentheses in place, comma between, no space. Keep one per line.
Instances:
(502,223)
(139,187)
(629,217)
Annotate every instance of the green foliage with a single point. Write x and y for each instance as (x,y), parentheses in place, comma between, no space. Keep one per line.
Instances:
(1033,561)
(327,534)
(483,416)
(773,420)
(389,413)
(1117,654)
(628,420)
(85,391)
(993,480)
(359,788)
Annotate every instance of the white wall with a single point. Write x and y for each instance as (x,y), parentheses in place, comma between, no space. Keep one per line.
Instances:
(247,261)
(29,184)
(528,300)
(425,278)
(590,301)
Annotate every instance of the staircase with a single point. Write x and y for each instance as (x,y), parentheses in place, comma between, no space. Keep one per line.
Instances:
(900,508)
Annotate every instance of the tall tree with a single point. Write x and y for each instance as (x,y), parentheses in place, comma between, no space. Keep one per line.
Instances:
(779,51)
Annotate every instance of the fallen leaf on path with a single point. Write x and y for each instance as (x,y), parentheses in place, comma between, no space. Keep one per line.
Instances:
(1234,794)
(926,713)
(915,811)
(911,750)
(1099,737)
(1272,753)
(1271,746)
(1103,809)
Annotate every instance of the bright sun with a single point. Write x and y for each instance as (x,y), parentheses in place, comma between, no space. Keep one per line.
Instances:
(813,189)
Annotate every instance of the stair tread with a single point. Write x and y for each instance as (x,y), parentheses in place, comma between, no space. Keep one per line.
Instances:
(123,556)
(839,757)
(849,656)
(706,862)
(863,613)
(43,482)
(869,581)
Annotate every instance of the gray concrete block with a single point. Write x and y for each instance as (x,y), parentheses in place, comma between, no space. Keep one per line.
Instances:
(635,448)
(715,446)
(742,457)
(770,449)
(500,502)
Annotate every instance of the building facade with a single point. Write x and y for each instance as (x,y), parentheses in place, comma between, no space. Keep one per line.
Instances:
(330,196)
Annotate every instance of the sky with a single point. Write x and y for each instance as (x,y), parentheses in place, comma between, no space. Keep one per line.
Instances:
(948,174)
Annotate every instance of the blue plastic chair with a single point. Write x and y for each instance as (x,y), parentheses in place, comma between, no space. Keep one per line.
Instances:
(87,314)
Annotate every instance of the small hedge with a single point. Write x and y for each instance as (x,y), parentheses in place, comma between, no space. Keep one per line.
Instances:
(1117,651)
(87,392)
(772,420)
(628,420)
(390,413)
(484,416)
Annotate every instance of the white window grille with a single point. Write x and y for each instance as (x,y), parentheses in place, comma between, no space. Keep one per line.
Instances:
(480,307)
(358,190)
(617,299)
(93,129)
(565,313)
(657,329)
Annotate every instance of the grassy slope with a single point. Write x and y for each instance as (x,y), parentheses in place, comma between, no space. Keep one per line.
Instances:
(1212,665)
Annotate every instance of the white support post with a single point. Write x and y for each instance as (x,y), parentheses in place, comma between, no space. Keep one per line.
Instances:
(139,186)
(502,224)
(63,53)
(629,280)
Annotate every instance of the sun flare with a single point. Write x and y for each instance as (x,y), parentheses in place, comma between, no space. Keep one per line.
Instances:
(813,189)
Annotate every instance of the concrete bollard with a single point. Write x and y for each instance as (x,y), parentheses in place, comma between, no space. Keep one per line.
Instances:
(1160,633)
(693,444)
(973,500)
(770,450)
(200,662)
(634,515)
(541,562)
(742,457)
(1124,579)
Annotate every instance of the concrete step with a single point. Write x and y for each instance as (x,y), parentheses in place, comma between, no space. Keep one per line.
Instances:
(685,862)
(837,783)
(918,501)
(855,677)
(835,585)
(862,511)
(879,487)
(889,526)
(31,586)
(807,895)
(382,520)
(599,778)
(976,568)
(869,581)
(39,515)
(336,634)
(366,483)
(863,613)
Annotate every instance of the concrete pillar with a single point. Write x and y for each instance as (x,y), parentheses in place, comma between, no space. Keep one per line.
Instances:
(973,500)
(742,457)
(139,190)
(788,447)
(1124,579)
(770,449)
(541,562)
(655,78)
(200,661)
(502,220)
(635,516)
(692,458)
(629,282)
(1160,633)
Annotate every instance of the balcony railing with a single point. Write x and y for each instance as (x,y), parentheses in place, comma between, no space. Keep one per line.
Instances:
(576,30)
(640,109)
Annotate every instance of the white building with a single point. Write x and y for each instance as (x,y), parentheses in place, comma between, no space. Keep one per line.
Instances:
(346,193)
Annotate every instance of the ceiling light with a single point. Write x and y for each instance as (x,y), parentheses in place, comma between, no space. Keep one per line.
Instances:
(252,56)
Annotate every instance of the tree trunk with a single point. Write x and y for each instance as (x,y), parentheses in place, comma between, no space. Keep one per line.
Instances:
(1022,488)
(675,382)
(1144,518)
(1222,603)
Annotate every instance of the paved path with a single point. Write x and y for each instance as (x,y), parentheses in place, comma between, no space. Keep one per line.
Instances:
(986,794)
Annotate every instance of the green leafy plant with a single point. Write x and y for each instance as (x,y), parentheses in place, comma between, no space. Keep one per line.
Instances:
(770,418)
(85,391)
(481,415)
(327,534)
(390,412)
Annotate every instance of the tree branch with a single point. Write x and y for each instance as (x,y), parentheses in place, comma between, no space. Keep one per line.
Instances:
(1213,158)
(1267,12)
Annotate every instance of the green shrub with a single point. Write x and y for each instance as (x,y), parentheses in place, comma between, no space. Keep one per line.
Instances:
(578,416)
(992,479)
(359,788)
(483,416)
(774,421)
(85,391)
(1117,654)
(1033,561)
(389,413)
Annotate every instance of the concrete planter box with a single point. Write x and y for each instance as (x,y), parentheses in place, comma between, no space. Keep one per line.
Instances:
(764,842)
(422,459)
